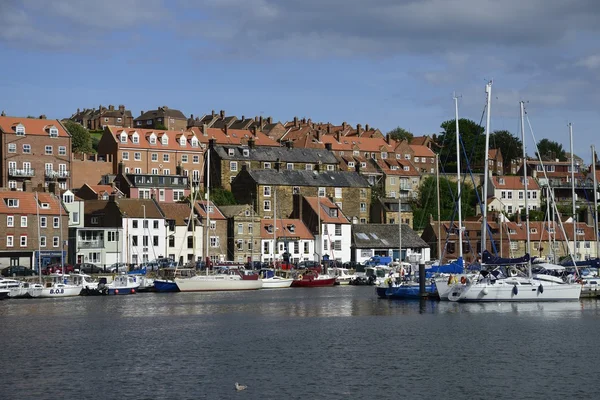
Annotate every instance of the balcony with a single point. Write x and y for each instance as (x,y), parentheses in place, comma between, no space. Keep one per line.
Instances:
(57,174)
(90,244)
(25,173)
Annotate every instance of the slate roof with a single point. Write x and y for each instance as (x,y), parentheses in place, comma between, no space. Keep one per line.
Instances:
(179,212)
(284,154)
(133,208)
(235,210)
(385,236)
(161,112)
(308,178)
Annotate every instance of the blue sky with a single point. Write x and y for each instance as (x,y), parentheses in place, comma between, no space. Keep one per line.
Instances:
(385,63)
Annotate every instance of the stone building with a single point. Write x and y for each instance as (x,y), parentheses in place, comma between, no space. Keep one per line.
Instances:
(385,211)
(215,231)
(243,238)
(171,119)
(38,150)
(272,190)
(98,118)
(226,161)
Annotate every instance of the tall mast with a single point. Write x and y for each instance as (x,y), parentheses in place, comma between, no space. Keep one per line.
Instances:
(37,209)
(60,225)
(320,249)
(252,234)
(488,90)
(573,194)
(458,190)
(595,200)
(274,223)
(439,229)
(528,248)
(207,196)
(399,230)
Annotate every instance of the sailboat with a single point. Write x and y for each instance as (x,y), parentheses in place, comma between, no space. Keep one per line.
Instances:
(232,279)
(504,284)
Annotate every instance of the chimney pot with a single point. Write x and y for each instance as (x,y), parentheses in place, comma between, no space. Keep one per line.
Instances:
(222,114)
(358,130)
(141,113)
(295,121)
(367,127)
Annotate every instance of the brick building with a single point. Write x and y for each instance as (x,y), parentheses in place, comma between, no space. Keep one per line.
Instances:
(32,149)
(89,168)
(171,119)
(97,118)
(21,242)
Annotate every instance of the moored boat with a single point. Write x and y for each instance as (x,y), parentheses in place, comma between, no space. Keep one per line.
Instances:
(225,280)
(272,281)
(123,284)
(310,278)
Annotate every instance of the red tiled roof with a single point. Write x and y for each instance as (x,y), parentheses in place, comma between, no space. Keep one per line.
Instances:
(27,203)
(421,151)
(215,215)
(514,183)
(325,217)
(283,229)
(234,136)
(33,126)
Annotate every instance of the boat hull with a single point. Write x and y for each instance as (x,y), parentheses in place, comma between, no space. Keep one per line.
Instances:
(217,283)
(313,282)
(514,291)
(67,291)
(164,286)
(276,283)
(405,292)
(4,294)
(121,290)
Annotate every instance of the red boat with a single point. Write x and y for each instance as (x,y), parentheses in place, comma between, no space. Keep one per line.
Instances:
(311,278)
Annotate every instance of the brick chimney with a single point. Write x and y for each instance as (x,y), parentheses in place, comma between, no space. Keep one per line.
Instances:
(278,164)
(222,113)
(358,130)
(53,187)
(344,125)
(329,129)
(213,113)
(27,185)
(253,130)
(43,116)
(269,120)
(251,143)
(296,121)
(319,135)
(141,113)
(111,107)
(328,146)
(226,130)
(387,137)
(120,168)
(121,108)
(367,127)
(289,144)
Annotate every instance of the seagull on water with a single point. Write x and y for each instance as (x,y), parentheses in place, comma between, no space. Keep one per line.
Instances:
(239,387)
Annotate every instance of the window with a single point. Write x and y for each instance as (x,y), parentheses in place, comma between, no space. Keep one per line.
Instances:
(178,195)
(23,222)
(152,137)
(113,236)
(20,130)
(240,229)
(134,240)
(330,167)
(27,148)
(306,248)
(509,194)
(321,192)
(123,137)
(290,166)
(406,168)
(267,165)
(48,150)
(214,241)
(154,240)
(250,229)
(12,148)
(184,158)
(326,245)
(337,245)
(338,229)
(233,166)
(231,152)
(137,156)
(182,141)
(145,240)
(246,153)
(195,159)
(155,224)
(171,241)
(125,155)
(42,241)
(137,170)
(154,171)
(296,190)
(12,184)
(56,222)
(148,122)
(10,241)
(23,241)
(55,241)
(521,195)
(165,157)
(12,203)
(135,138)
(502,194)
(10,221)
(338,193)
(154,157)
(514,245)
(213,225)
(266,248)
(363,207)
(407,156)
(267,191)
(134,224)
(351,164)
(267,205)
(384,155)
(145,224)
(240,245)
(363,165)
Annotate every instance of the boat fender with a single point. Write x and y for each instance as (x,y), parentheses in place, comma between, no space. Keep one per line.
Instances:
(116,291)
(300,277)
(515,290)
(541,288)
(485,291)
(450,278)
(132,291)
(463,280)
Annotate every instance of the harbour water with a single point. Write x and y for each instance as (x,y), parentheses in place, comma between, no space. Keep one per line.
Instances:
(320,343)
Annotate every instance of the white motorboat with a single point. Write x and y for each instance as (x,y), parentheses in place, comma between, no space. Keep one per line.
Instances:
(590,287)
(123,284)
(16,288)
(276,282)
(444,282)
(55,286)
(342,275)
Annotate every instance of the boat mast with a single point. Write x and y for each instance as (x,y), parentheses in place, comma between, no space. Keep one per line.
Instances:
(595,200)
(207,197)
(274,223)
(399,231)
(37,209)
(525,181)
(573,195)
(458,190)
(62,257)
(439,229)
(319,250)
(488,90)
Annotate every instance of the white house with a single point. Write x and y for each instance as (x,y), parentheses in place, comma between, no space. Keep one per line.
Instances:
(145,230)
(184,235)
(291,236)
(510,191)
(369,240)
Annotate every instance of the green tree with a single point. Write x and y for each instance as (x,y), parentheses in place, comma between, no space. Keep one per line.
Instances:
(401,134)
(473,139)
(81,141)
(160,127)
(510,146)
(425,203)
(222,197)
(551,150)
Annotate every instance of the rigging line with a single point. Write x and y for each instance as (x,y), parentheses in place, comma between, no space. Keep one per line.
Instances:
(562,228)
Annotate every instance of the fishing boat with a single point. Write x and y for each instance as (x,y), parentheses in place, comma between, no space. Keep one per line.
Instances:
(123,284)
(311,278)
(272,281)
(342,275)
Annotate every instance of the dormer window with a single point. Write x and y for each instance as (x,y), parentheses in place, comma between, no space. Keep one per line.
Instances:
(164,140)
(135,138)
(44,205)
(501,181)
(153,139)
(20,130)
(292,228)
(182,141)
(269,228)
(363,165)
(53,131)
(351,164)
(68,198)
(384,154)
(246,152)
(12,203)
(533,230)
(394,167)
(194,142)
(210,209)
(407,168)
(123,137)
(333,212)
(231,152)
(512,231)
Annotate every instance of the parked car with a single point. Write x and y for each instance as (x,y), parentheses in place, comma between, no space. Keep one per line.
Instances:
(17,270)
(57,269)
(118,267)
(88,268)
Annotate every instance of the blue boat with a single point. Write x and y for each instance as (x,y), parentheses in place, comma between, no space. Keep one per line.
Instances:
(165,285)
(405,291)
